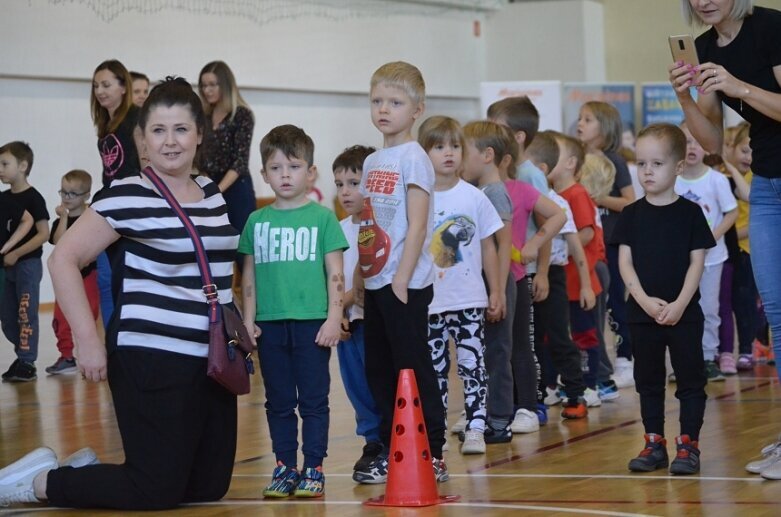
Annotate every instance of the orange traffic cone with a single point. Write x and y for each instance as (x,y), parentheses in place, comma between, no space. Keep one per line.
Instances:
(411,480)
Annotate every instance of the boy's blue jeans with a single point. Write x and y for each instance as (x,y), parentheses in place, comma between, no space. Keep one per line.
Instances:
(19,310)
(764,233)
(352,366)
(295,375)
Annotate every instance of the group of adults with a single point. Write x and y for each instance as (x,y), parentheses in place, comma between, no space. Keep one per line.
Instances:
(740,56)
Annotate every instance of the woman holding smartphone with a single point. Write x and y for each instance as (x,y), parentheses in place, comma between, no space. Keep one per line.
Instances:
(741,67)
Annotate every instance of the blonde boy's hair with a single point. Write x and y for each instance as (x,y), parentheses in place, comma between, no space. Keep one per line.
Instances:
(544,150)
(609,124)
(438,130)
(670,133)
(81,177)
(487,134)
(572,147)
(401,75)
(740,9)
(597,175)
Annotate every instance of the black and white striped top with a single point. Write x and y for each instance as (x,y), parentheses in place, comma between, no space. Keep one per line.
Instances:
(160,303)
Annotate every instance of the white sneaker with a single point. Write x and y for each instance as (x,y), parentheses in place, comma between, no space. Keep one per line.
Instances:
(623,375)
(474,442)
(525,422)
(592,398)
(770,455)
(772,468)
(552,396)
(16,480)
(80,458)
(460,425)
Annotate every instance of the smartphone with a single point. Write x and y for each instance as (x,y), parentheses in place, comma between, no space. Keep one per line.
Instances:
(682,48)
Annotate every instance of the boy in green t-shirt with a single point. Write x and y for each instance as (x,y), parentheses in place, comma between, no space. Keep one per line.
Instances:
(293,277)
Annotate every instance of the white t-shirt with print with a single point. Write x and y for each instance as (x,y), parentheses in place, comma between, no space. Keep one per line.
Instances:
(350,258)
(462,218)
(387,174)
(712,192)
(559,249)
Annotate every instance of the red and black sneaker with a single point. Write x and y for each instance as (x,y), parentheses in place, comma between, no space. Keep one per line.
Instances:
(687,459)
(653,456)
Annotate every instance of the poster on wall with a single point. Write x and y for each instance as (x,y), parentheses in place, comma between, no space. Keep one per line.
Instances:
(546,96)
(660,104)
(620,95)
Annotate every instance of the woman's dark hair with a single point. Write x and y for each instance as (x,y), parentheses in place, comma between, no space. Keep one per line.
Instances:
(173,91)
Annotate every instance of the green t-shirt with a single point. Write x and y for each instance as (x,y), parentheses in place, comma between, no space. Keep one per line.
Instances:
(289,247)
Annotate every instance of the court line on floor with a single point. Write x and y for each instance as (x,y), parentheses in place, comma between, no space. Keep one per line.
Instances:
(636,477)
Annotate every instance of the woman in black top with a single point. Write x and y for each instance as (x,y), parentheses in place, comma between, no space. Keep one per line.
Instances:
(740,58)
(227,140)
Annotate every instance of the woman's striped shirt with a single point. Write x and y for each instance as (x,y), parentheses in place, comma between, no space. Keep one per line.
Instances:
(159,301)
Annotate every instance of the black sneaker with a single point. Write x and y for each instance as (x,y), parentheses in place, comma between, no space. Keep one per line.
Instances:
(62,365)
(23,372)
(492,435)
(10,369)
(370,451)
(375,473)
(687,459)
(653,457)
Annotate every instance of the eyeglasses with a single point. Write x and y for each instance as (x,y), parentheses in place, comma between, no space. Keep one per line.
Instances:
(70,195)
(209,85)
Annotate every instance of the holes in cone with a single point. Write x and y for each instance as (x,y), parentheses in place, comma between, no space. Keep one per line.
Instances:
(398,456)
(421,429)
(399,429)
(416,402)
(425,455)
(401,403)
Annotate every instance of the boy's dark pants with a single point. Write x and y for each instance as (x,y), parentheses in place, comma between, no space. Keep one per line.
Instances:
(684,341)
(396,337)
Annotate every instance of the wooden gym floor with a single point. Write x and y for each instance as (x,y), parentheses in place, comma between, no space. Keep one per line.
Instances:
(568,468)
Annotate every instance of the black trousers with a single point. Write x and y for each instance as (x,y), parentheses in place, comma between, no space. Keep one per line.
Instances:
(178,431)
(396,338)
(552,315)
(684,341)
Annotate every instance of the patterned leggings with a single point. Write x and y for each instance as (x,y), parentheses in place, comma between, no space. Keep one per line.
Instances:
(466,328)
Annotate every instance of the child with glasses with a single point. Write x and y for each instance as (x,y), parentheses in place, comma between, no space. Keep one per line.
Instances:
(74,194)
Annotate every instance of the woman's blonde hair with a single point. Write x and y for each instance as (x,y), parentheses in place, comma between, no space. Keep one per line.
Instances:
(230,97)
(597,175)
(740,9)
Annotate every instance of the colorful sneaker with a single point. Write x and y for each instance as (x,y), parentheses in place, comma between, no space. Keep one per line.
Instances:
(460,425)
(375,473)
(592,398)
(727,364)
(652,457)
(311,483)
(542,413)
(712,372)
(552,396)
(62,365)
(687,459)
(525,422)
(574,409)
(745,362)
(474,442)
(22,372)
(283,482)
(440,470)
(16,480)
(608,391)
(624,375)
(81,458)
(370,451)
(492,435)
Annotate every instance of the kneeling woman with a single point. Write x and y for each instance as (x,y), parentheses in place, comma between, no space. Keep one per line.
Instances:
(178,427)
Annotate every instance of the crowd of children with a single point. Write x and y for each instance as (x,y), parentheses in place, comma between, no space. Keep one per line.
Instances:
(518,246)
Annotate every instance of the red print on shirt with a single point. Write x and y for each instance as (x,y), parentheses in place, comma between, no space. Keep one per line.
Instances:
(381,182)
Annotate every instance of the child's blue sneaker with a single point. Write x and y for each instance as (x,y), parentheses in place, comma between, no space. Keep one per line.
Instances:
(608,391)
(311,483)
(283,481)
(542,413)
